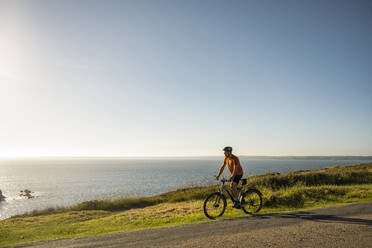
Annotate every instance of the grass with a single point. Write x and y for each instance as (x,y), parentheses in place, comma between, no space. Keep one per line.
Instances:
(293,191)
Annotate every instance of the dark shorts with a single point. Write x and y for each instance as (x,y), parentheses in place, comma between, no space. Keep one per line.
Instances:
(237,178)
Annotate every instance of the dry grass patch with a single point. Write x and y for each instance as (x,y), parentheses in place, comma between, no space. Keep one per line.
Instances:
(161,211)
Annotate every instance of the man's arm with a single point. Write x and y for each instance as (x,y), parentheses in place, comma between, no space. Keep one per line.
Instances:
(221,169)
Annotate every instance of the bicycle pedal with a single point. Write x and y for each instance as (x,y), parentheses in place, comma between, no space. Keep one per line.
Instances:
(237,205)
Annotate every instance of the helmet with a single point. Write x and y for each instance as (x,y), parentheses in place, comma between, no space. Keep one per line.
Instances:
(227,149)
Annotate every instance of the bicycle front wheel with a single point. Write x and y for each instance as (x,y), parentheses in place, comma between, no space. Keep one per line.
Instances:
(251,201)
(214,205)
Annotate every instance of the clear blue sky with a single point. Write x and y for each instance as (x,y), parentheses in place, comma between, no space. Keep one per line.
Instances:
(168,78)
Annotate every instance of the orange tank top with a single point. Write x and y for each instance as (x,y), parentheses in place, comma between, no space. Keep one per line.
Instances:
(230,164)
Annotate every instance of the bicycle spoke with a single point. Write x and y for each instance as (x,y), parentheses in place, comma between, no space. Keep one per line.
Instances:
(251,201)
(214,205)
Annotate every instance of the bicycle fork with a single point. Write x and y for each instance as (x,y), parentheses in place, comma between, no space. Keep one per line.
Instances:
(217,201)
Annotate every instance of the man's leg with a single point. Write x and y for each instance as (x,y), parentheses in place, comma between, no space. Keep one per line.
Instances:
(234,190)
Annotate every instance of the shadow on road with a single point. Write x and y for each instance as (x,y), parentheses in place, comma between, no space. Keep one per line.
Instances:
(325,218)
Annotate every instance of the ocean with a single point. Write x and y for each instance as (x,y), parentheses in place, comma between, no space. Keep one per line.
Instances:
(67,181)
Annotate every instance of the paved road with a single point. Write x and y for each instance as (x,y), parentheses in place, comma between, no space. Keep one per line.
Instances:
(344,226)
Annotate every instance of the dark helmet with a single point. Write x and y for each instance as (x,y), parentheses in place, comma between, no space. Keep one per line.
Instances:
(227,149)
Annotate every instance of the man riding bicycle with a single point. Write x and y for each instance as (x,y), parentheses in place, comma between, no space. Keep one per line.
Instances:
(236,171)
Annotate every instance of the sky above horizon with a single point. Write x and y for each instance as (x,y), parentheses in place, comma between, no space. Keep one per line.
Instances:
(185,78)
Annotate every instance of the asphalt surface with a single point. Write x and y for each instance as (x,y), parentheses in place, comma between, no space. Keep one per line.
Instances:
(343,226)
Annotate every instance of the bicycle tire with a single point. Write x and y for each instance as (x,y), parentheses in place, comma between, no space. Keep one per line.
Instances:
(252,198)
(216,196)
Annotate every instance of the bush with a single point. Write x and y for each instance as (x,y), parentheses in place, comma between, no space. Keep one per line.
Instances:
(289,197)
(339,175)
(297,195)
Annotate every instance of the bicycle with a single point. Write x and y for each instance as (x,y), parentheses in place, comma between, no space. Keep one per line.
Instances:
(215,203)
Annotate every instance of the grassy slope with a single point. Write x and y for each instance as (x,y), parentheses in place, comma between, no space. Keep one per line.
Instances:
(293,191)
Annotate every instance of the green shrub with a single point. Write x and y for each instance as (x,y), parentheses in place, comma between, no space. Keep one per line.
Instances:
(339,175)
(288,197)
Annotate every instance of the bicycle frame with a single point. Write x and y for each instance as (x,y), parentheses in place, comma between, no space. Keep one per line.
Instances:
(222,188)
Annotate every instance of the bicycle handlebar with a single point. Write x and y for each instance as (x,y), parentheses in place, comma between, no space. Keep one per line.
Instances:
(224,180)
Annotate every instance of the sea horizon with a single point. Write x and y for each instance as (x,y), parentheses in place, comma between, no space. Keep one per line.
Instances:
(300,157)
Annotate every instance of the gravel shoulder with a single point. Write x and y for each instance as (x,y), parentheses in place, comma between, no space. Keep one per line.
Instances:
(342,226)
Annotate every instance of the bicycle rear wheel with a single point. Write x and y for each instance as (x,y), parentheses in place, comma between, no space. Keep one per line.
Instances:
(214,205)
(251,201)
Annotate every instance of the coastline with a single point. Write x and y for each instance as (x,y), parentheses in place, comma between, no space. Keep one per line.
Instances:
(296,190)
